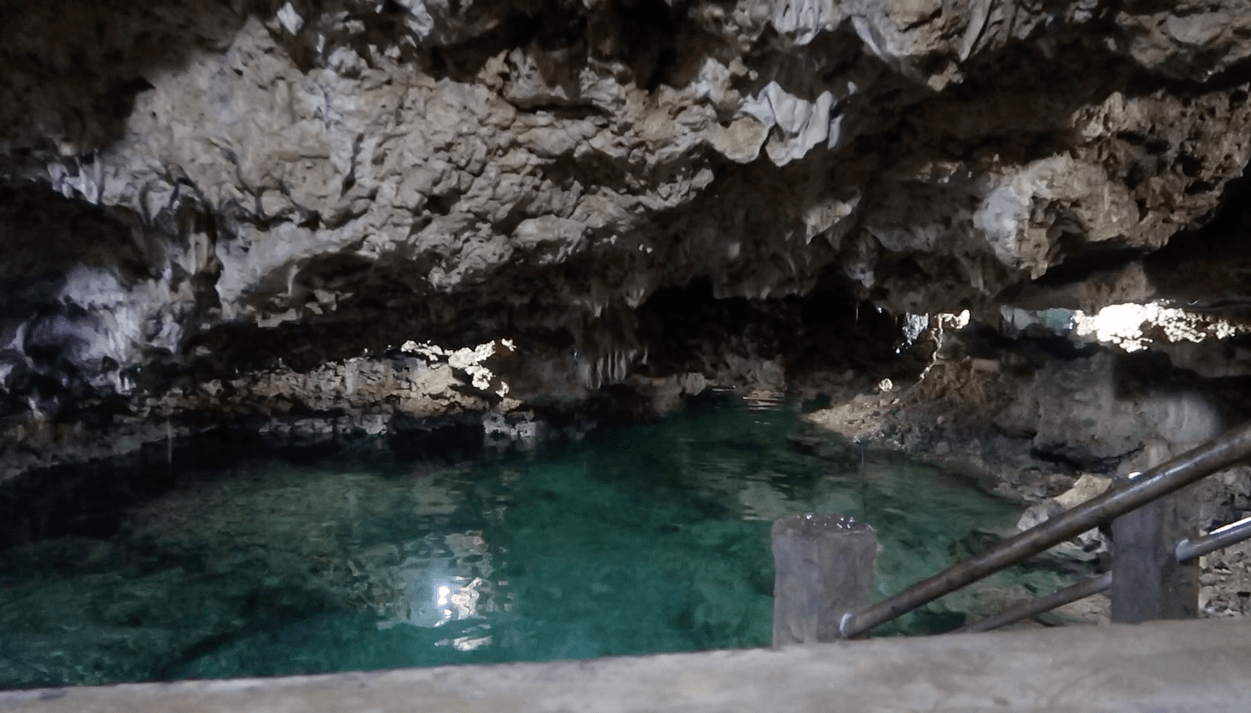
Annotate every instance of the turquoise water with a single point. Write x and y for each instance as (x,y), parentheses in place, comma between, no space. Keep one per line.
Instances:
(647,539)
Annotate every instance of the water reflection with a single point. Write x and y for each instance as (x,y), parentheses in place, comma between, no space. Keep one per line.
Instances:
(450,578)
(640,540)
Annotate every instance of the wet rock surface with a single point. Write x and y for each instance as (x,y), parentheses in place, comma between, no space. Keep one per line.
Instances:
(238,183)
(1051,428)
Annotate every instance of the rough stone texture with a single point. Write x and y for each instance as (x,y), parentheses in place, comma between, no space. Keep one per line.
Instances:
(824,566)
(982,416)
(1082,414)
(1092,412)
(234,182)
(1225,585)
(1089,544)
(1158,666)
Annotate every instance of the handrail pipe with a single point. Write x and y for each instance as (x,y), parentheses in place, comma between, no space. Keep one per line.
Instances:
(1230,534)
(1037,606)
(1218,454)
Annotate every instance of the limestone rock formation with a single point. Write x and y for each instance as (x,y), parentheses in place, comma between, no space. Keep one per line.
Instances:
(195,192)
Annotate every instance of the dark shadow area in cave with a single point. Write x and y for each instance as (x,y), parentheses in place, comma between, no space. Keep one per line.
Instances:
(75,54)
(1210,268)
(1152,371)
(48,342)
(87,500)
(549,27)
(685,328)
(46,235)
(451,442)
(642,35)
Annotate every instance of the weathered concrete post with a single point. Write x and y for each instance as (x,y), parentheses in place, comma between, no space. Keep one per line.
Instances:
(1147,580)
(824,569)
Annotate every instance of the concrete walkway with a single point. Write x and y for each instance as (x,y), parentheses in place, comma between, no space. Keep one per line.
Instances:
(1161,666)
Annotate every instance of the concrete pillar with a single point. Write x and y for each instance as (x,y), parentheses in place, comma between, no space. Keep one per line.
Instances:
(824,569)
(1147,580)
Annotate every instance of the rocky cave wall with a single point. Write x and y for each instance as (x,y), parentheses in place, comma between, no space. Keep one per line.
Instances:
(219,205)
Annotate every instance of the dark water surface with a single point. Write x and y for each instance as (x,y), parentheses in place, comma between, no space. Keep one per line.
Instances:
(639,540)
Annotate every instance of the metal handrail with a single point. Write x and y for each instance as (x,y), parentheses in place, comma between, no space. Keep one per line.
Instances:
(1220,537)
(1186,550)
(1038,605)
(1215,455)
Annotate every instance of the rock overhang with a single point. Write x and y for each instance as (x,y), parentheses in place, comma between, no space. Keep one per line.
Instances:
(264,181)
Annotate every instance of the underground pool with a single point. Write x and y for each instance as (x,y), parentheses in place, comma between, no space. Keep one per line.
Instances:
(633,540)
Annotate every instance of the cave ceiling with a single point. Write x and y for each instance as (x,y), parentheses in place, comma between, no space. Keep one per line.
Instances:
(219,185)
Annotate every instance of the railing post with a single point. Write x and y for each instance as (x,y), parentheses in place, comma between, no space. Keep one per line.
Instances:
(1229,449)
(824,570)
(1147,580)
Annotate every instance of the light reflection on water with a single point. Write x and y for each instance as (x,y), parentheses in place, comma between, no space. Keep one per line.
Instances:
(647,539)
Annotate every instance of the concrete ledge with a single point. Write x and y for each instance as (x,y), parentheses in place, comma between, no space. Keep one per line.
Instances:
(1160,666)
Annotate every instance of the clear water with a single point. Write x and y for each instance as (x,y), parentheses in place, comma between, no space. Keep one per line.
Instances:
(641,540)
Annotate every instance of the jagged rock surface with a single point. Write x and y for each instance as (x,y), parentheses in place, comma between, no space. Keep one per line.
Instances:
(204,189)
